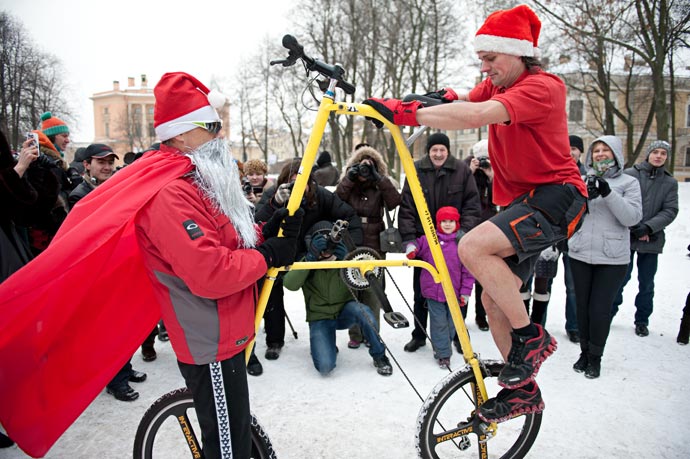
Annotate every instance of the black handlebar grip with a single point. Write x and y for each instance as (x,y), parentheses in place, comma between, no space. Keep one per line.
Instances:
(291,43)
(425,100)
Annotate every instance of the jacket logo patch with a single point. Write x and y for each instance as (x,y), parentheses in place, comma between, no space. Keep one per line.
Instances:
(241,341)
(192,229)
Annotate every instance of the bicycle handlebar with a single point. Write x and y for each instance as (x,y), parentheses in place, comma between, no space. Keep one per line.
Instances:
(330,71)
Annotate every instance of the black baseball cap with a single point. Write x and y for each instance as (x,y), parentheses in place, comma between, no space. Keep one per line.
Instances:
(98,150)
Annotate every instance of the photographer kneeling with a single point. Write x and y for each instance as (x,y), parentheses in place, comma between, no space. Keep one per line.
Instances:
(366,187)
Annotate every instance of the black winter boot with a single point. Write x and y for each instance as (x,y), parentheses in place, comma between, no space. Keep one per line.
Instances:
(593,366)
(581,365)
(684,331)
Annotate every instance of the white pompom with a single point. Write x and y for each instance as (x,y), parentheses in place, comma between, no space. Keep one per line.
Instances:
(216,99)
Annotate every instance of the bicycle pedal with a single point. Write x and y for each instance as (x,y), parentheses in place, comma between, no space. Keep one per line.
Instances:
(464,443)
(396,319)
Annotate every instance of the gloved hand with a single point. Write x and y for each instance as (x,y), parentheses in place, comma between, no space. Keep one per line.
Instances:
(340,251)
(318,244)
(282,194)
(271,227)
(444,94)
(292,224)
(375,176)
(640,230)
(464,299)
(353,172)
(604,188)
(396,111)
(279,251)
(411,251)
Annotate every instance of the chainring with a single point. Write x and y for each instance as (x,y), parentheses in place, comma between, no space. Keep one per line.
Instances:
(353,277)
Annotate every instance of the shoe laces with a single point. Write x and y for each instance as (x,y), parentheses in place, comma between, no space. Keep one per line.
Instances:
(516,350)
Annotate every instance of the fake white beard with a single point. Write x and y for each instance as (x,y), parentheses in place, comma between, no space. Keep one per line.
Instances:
(218,178)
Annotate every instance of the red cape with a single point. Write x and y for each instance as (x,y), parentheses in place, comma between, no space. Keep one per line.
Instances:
(72,317)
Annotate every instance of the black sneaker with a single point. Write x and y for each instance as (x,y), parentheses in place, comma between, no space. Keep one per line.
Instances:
(254,367)
(482,323)
(137,376)
(273,352)
(414,344)
(593,369)
(581,365)
(383,366)
(125,394)
(510,403)
(525,357)
(641,330)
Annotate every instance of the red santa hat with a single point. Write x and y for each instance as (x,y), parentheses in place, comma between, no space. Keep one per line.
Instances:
(180,100)
(514,32)
(447,213)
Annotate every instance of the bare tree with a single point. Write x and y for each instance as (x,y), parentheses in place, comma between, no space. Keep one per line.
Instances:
(31,82)
(647,29)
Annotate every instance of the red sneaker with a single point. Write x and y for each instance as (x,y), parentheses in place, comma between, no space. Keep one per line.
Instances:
(525,357)
(510,403)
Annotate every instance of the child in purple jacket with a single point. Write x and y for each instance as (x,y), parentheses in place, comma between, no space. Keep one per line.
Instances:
(441,322)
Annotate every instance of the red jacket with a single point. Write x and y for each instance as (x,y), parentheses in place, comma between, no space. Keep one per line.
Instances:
(204,284)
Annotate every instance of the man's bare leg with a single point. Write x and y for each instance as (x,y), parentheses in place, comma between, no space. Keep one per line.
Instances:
(500,326)
(482,251)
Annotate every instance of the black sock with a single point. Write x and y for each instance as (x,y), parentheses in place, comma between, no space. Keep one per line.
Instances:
(529,331)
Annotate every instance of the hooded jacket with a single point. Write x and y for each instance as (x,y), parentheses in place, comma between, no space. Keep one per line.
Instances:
(603,238)
(368,198)
(659,204)
(462,280)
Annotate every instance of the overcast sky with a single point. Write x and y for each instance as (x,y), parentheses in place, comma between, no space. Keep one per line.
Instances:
(99,41)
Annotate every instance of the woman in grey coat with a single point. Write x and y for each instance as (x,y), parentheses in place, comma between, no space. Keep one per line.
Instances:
(600,249)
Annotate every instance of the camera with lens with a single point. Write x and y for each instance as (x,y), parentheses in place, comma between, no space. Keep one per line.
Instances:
(366,171)
(46,161)
(246,187)
(484,162)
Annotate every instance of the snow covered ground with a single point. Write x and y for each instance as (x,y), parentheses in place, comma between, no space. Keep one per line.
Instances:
(637,408)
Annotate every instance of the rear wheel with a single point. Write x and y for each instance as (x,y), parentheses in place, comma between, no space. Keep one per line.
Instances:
(169,427)
(448,427)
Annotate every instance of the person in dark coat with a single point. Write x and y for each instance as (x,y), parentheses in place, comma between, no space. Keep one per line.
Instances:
(326,174)
(480,165)
(366,186)
(445,181)
(318,204)
(16,193)
(647,238)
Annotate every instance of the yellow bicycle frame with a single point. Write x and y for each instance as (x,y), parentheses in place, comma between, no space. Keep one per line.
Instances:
(439,274)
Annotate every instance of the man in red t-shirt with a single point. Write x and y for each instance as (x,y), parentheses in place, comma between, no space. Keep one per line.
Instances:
(535,178)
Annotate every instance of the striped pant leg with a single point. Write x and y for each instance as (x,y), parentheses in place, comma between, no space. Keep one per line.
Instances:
(221,399)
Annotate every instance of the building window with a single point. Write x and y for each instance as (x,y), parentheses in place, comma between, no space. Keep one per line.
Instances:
(105,110)
(107,130)
(152,131)
(687,117)
(576,111)
(687,156)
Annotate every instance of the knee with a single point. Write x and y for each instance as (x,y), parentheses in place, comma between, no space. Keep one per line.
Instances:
(466,251)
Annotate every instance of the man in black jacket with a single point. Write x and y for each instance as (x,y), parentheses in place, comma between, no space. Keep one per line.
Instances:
(647,238)
(446,181)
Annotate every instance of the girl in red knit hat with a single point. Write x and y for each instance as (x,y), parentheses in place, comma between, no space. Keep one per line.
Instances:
(441,327)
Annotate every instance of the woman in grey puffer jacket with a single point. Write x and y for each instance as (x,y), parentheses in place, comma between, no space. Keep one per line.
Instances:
(600,249)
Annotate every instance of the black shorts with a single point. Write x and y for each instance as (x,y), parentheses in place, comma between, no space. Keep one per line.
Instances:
(537,220)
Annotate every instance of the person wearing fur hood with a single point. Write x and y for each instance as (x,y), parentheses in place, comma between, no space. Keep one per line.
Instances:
(366,186)
(600,250)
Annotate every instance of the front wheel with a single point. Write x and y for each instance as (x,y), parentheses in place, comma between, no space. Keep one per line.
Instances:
(447,425)
(168,429)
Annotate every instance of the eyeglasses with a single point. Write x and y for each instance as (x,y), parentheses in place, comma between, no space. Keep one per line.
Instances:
(213,127)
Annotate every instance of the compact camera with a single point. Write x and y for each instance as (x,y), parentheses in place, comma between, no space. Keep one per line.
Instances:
(366,171)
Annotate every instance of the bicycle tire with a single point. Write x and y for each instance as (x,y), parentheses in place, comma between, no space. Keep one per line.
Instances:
(452,398)
(178,404)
